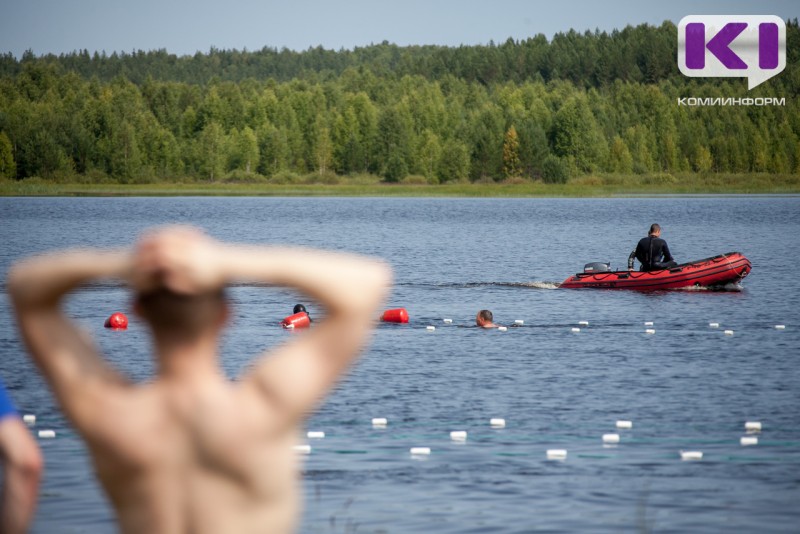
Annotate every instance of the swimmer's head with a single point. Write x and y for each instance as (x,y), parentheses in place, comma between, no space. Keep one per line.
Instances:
(655,230)
(182,317)
(484,318)
(299,308)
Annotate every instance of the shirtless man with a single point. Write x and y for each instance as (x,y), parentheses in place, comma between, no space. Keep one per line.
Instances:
(191,451)
(485,319)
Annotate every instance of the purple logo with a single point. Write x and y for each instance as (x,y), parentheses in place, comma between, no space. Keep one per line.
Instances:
(751,46)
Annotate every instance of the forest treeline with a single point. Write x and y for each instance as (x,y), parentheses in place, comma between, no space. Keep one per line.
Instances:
(533,109)
(639,54)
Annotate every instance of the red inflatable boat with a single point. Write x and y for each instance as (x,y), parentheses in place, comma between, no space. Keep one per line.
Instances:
(710,272)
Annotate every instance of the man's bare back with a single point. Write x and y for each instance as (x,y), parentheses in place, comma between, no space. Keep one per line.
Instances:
(191,451)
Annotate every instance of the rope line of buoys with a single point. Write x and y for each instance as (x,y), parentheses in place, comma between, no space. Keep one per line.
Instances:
(300,319)
(609,440)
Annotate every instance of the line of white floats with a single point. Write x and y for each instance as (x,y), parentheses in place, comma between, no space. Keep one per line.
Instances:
(30,420)
(460,436)
(577,329)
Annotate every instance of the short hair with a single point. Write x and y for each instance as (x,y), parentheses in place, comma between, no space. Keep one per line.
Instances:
(486,315)
(654,228)
(181,316)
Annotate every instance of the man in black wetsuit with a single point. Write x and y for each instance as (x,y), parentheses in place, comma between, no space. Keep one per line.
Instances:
(652,252)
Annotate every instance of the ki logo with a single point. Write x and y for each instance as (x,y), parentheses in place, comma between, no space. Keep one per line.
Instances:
(743,46)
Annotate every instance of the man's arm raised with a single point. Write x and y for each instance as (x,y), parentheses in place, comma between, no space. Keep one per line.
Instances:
(77,374)
(351,288)
(295,376)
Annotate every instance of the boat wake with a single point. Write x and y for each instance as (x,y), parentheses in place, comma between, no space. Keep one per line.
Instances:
(536,284)
(468,285)
(734,287)
(540,285)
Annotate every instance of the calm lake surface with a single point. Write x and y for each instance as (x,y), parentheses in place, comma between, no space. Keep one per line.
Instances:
(687,387)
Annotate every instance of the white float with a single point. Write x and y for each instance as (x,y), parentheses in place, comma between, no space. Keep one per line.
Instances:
(420,451)
(753,426)
(691,455)
(315,435)
(556,454)
(624,424)
(29,419)
(458,435)
(379,422)
(748,440)
(47,434)
(497,422)
(610,438)
(302,449)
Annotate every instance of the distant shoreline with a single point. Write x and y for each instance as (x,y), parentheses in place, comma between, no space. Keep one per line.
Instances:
(609,186)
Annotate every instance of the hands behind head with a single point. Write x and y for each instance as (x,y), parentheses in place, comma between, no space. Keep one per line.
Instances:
(181,259)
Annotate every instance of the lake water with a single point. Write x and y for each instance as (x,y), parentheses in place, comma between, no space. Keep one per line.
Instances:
(687,387)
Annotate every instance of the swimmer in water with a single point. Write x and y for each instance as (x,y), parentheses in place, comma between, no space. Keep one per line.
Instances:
(190,450)
(300,308)
(484,319)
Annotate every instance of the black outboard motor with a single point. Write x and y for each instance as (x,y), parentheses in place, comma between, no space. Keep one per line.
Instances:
(597,267)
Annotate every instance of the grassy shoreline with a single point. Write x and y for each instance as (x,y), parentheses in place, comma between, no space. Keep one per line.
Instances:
(587,186)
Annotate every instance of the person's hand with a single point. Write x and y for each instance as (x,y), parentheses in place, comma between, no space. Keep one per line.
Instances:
(181,259)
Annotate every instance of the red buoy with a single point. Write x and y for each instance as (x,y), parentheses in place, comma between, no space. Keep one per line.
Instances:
(298,320)
(396,315)
(117,321)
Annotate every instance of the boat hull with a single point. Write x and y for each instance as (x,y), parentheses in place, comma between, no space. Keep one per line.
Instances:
(710,272)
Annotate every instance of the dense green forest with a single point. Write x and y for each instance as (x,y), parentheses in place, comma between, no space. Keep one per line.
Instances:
(523,110)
